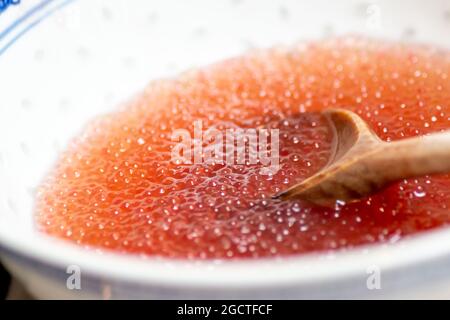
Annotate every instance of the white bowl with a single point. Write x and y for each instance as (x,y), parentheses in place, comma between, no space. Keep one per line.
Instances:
(62,62)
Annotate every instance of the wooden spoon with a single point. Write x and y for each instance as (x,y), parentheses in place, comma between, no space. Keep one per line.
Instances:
(362,163)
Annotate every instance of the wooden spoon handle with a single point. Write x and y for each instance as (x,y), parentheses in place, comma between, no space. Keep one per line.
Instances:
(363,164)
(415,157)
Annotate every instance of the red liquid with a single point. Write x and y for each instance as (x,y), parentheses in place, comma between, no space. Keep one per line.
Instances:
(116,187)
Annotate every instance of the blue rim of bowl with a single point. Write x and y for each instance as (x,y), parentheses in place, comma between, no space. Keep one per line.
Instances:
(27,21)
